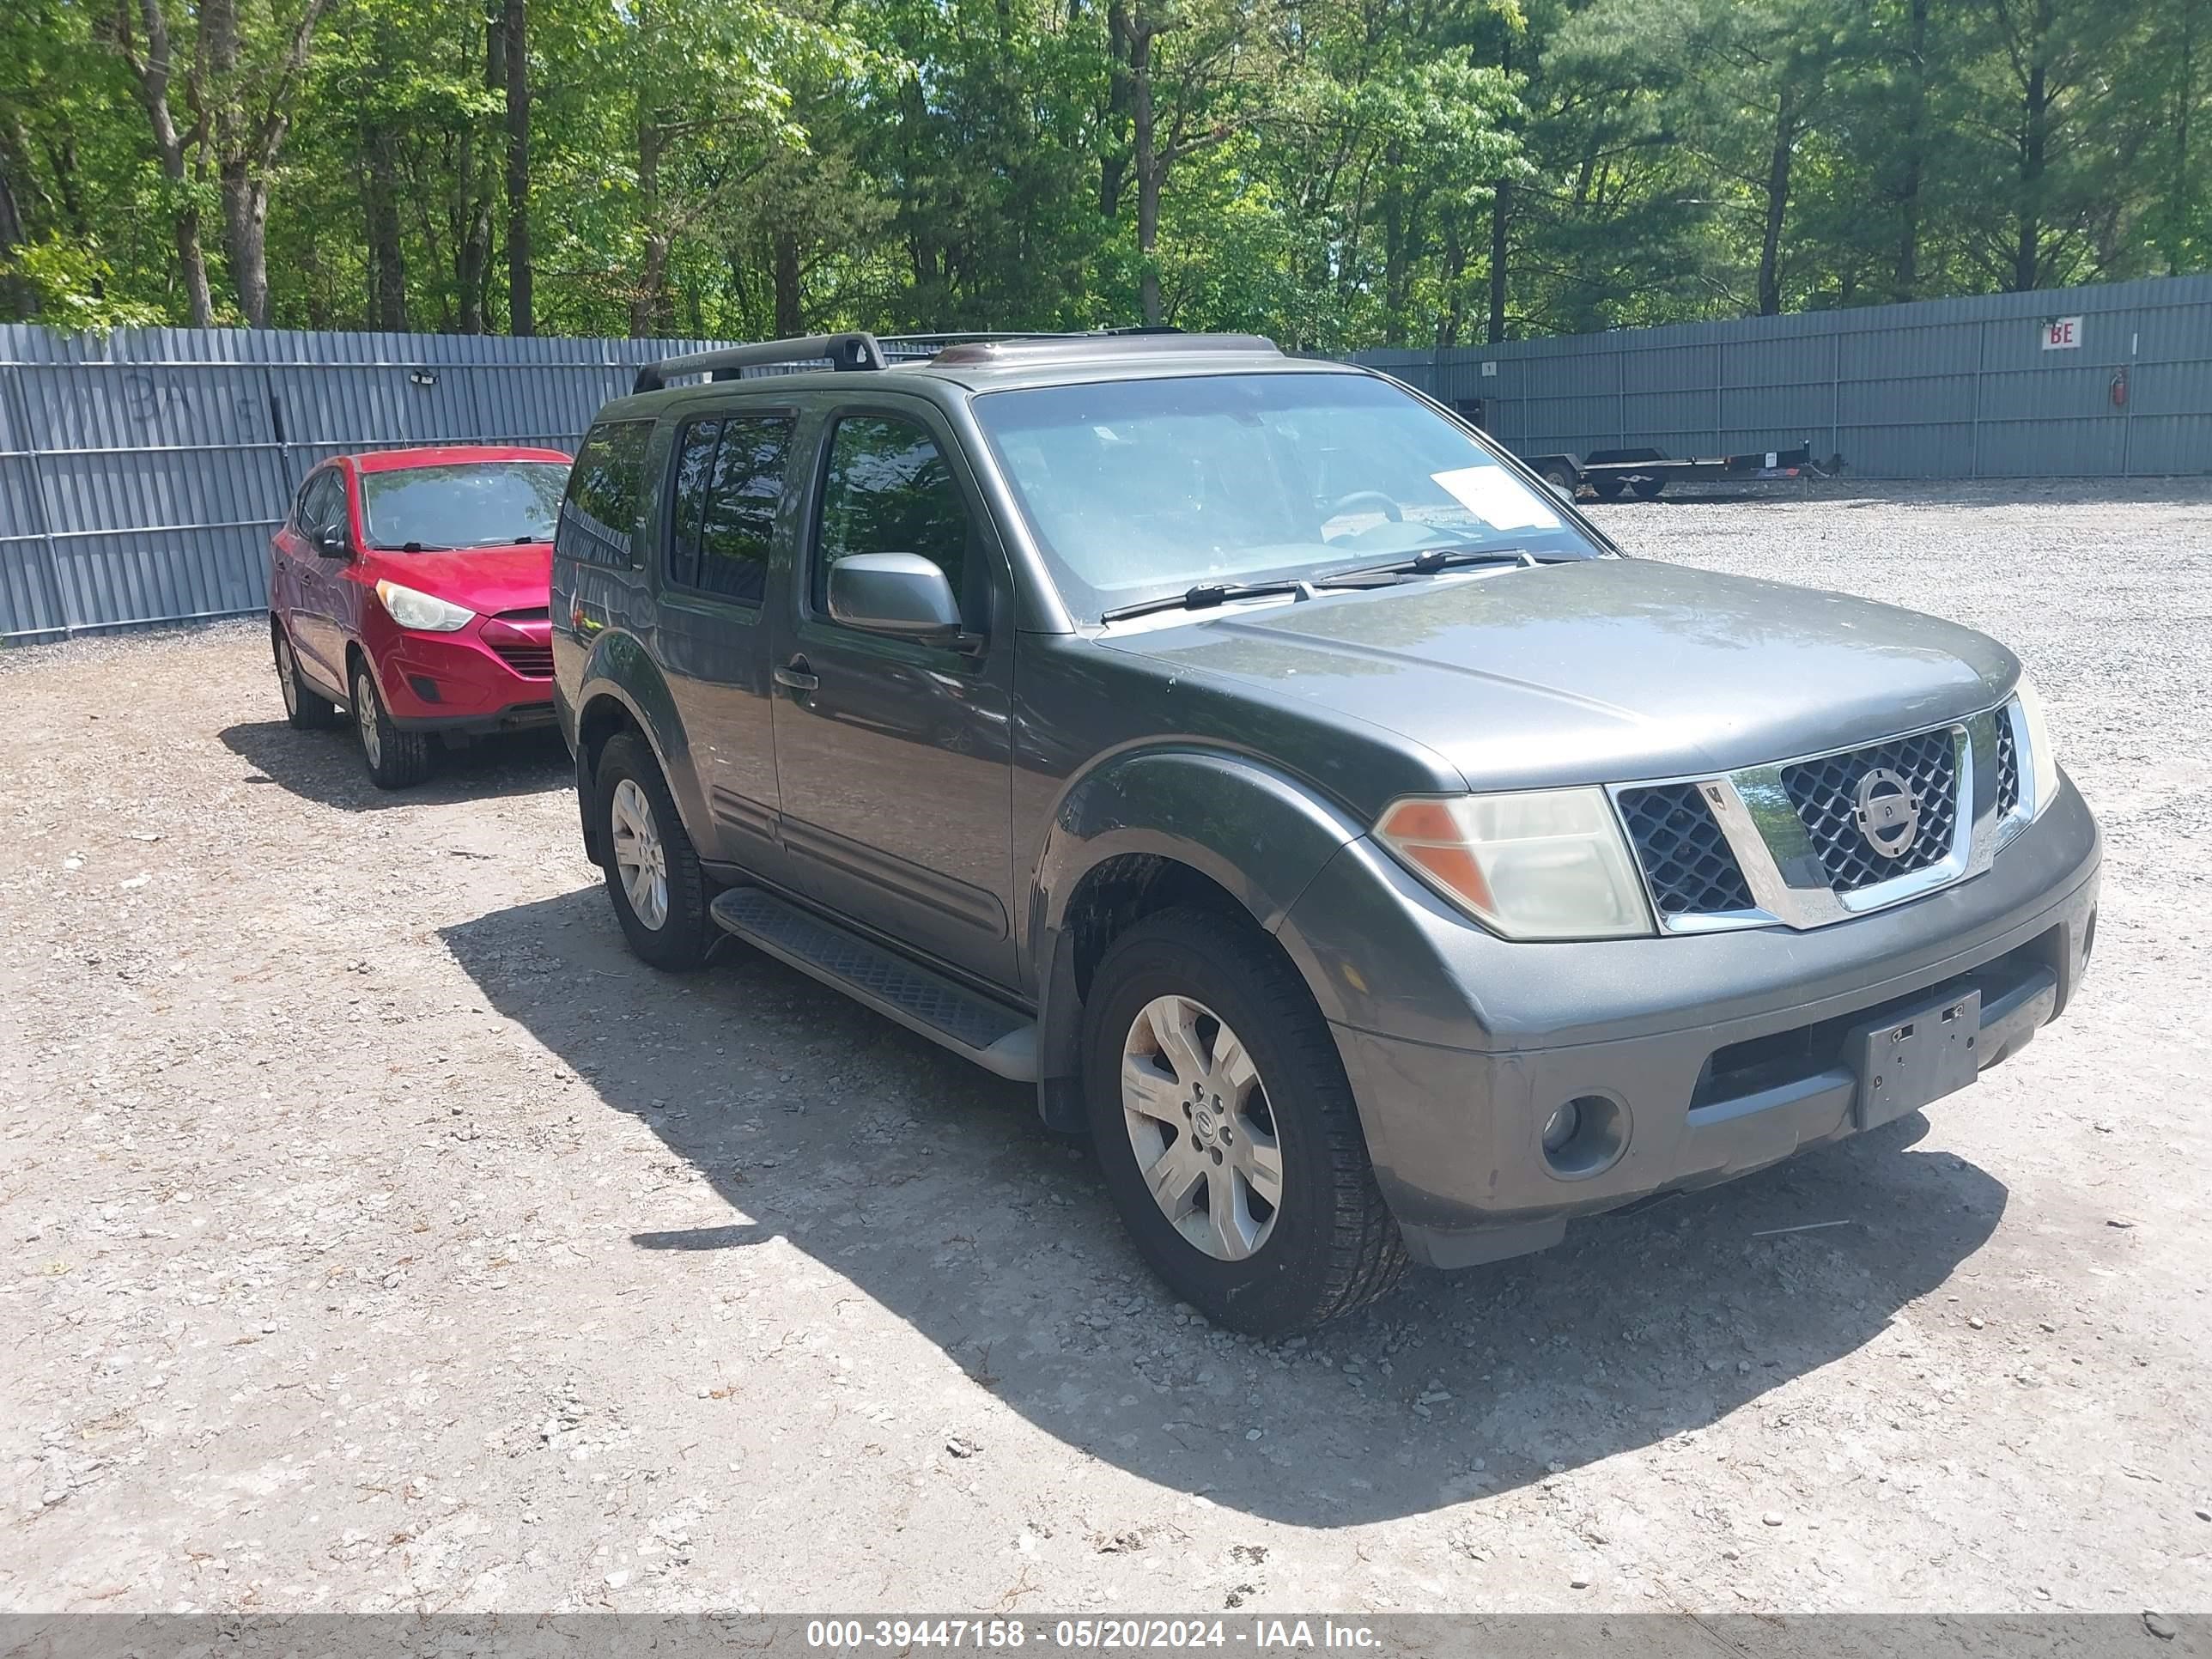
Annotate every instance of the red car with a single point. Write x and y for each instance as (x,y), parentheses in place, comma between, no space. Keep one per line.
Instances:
(409,586)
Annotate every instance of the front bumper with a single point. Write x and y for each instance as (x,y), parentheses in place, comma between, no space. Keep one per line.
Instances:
(455,683)
(1712,1056)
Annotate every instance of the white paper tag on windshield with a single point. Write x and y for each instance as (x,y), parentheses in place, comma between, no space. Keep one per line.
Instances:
(1498,498)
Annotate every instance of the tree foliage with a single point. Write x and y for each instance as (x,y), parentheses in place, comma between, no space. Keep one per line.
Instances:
(1336,173)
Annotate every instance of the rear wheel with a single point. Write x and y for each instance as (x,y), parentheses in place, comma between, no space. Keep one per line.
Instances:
(1561,477)
(307,710)
(1647,490)
(395,759)
(1607,490)
(659,890)
(1226,1130)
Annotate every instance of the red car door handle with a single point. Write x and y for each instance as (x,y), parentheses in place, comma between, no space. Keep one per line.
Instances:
(794,675)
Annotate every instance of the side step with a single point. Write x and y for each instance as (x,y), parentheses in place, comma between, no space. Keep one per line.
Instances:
(996,1037)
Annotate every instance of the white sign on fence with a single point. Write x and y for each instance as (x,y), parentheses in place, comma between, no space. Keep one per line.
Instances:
(2061,334)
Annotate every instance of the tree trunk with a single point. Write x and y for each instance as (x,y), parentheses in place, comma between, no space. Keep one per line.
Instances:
(246,238)
(2034,142)
(1778,203)
(646,305)
(1113,154)
(1906,277)
(387,259)
(1144,125)
(515,40)
(1501,214)
(150,77)
(18,299)
(789,321)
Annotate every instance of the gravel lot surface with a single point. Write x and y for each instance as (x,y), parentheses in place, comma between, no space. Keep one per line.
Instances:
(381,1236)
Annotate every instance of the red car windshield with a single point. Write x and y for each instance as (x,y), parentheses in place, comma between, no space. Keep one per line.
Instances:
(426,509)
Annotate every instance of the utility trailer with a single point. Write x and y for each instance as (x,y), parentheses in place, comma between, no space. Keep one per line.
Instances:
(1612,473)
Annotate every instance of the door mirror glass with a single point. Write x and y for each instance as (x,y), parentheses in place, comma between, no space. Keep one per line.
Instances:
(902,595)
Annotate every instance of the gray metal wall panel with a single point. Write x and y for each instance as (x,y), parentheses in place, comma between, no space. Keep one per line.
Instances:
(142,472)
(1944,388)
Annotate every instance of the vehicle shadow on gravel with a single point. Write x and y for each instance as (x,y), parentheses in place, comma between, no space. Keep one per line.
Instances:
(930,1187)
(325,767)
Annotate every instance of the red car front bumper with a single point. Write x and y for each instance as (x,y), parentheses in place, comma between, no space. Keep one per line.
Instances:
(495,675)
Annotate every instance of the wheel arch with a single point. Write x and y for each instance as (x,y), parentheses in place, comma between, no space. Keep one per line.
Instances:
(1155,830)
(623,690)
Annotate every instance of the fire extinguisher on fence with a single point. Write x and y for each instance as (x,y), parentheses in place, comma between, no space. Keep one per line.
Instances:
(2120,389)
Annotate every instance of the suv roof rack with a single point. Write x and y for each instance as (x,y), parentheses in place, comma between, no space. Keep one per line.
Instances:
(858,350)
(1103,342)
(842,351)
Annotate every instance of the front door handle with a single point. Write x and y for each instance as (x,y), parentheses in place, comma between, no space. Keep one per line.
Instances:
(795,676)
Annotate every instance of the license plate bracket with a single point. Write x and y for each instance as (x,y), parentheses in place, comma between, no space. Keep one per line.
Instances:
(1908,1059)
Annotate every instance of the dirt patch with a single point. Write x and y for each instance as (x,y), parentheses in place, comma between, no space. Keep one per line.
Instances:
(384,1236)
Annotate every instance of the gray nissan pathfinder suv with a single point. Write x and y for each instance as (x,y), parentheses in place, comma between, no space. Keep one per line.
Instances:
(1318,811)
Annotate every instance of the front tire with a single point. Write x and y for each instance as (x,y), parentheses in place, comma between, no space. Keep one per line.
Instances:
(395,759)
(1227,1129)
(659,890)
(304,710)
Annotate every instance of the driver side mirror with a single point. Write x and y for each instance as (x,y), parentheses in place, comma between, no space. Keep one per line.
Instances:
(902,595)
(332,541)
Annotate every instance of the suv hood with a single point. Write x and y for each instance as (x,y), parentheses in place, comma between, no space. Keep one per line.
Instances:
(1602,671)
(489,579)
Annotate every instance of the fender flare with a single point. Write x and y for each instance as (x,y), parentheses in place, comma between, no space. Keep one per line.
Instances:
(1258,834)
(620,669)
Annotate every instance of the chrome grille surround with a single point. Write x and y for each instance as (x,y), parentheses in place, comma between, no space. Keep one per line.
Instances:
(1789,885)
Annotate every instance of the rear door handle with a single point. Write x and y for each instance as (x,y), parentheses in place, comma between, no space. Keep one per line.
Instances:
(794,676)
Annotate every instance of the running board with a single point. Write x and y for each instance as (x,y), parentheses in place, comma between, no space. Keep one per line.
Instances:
(974,1026)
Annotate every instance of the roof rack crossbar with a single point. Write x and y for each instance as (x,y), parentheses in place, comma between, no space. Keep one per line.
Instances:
(841,351)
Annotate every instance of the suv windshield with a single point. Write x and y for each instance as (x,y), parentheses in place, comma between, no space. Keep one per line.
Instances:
(467,504)
(1138,490)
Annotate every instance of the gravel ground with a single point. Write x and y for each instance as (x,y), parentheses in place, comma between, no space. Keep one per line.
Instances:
(381,1236)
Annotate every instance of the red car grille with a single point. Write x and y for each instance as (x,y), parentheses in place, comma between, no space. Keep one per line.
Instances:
(523,639)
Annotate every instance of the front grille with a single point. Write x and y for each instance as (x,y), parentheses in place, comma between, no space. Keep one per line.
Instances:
(532,658)
(1826,794)
(2008,764)
(530,661)
(1685,859)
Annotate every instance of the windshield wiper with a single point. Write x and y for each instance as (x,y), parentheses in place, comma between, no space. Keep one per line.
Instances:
(1205,596)
(412,547)
(1428,560)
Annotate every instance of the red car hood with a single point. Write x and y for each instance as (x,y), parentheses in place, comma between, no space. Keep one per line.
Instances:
(489,579)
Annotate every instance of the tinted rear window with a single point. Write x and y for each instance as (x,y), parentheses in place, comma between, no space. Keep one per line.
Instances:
(729,483)
(467,504)
(599,518)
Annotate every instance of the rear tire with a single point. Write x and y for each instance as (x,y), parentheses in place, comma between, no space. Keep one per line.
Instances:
(1562,479)
(395,759)
(1647,490)
(659,893)
(1269,1219)
(1607,490)
(304,710)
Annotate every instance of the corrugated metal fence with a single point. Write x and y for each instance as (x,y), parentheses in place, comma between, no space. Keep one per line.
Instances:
(1964,388)
(141,475)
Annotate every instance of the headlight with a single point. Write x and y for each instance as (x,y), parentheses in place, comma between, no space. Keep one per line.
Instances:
(1548,864)
(420,610)
(2039,775)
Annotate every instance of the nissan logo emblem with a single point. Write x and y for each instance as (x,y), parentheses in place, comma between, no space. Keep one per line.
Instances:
(1887,812)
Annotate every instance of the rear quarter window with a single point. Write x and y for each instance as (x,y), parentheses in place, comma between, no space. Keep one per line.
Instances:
(600,517)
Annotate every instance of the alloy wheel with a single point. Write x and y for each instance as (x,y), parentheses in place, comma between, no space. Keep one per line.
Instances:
(364,715)
(1200,1123)
(640,859)
(288,675)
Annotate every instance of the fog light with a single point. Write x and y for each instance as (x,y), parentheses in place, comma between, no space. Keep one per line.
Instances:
(1585,1136)
(1561,1129)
